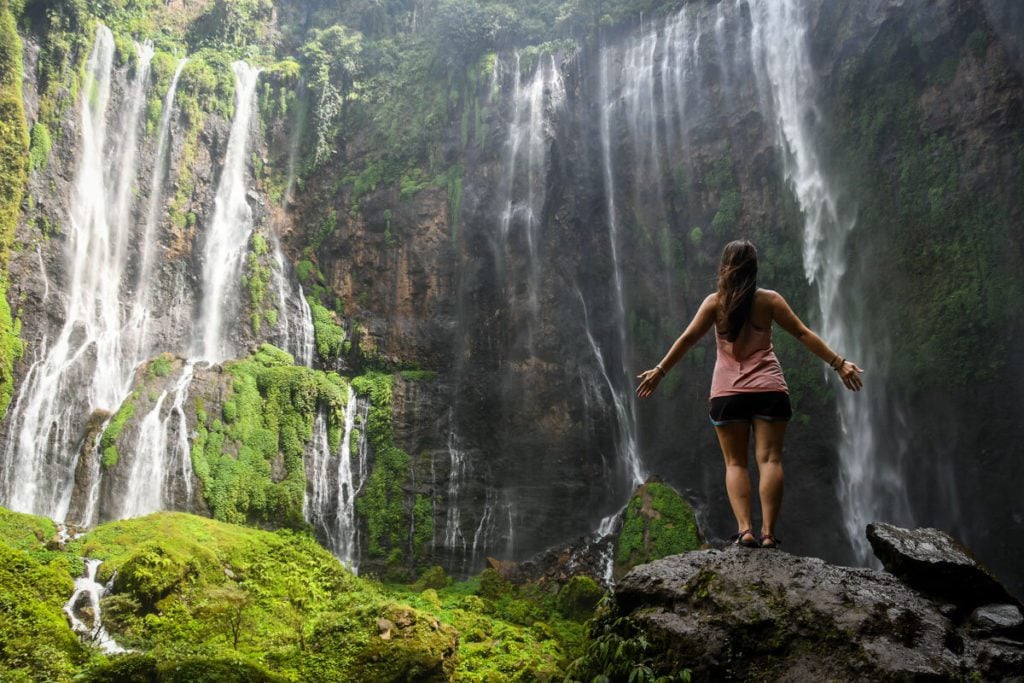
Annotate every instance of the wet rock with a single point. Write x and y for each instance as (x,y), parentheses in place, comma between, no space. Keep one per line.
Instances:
(933,562)
(587,556)
(997,619)
(756,615)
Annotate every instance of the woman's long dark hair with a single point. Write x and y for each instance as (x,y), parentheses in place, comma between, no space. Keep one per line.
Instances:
(737,282)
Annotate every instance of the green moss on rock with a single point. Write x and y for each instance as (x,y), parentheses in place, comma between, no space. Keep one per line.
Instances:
(400,524)
(14,146)
(268,419)
(658,522)
(108,442)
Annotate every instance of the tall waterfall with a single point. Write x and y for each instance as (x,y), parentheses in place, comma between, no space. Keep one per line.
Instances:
(227,238)
(870,487)
(332,483)
(618,379)
(523,182)
(86,367)
(138,325)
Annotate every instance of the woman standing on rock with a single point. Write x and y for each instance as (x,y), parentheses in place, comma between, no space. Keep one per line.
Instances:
(748,390)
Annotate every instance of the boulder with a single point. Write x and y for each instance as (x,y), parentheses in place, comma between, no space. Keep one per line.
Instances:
(933,562)
(739,614)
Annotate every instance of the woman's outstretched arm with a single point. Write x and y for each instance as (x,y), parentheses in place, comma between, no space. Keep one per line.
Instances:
(698,327)
(790,322)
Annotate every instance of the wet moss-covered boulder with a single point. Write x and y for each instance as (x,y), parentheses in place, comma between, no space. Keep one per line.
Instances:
(578,598)
(656,523)
(383,642)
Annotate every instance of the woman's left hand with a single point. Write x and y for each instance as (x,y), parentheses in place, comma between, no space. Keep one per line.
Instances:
(649,380)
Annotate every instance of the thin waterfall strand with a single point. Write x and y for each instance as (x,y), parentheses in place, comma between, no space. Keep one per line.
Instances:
(228,238)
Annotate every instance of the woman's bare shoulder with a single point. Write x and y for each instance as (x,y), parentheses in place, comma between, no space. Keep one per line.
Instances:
(769,296)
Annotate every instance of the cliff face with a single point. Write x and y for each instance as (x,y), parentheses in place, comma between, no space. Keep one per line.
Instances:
(521,231)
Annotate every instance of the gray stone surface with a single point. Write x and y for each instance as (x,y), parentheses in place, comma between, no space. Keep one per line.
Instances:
(932,561)
(740,614)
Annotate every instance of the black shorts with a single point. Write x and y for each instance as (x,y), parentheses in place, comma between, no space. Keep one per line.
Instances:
(772,406)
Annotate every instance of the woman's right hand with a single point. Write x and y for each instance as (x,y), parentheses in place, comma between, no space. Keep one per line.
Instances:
(850,374)
(649,380)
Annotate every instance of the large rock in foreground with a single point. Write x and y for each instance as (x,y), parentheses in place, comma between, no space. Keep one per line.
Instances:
(739,614)
(934,562)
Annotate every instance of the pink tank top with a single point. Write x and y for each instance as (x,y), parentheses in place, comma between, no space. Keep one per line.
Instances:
(747,365)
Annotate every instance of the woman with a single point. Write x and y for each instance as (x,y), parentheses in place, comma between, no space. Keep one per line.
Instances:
(748,390)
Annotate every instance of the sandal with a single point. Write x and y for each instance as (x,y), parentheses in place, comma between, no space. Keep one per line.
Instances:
(768,541)
(737,539)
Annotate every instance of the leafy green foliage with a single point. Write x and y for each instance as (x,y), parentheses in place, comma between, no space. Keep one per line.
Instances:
(619,651)
(160,366)
(35,640)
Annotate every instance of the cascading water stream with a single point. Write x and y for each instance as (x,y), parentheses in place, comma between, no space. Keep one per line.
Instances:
(138,324)
(521,189)
(332,484)
(87,588)
(227,239)
(870,487)
(624,403)
(161,455)
(40,455)
(453,538)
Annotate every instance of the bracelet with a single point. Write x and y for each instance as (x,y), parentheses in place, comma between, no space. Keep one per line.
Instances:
(660,369)
(832,363)
(837,368)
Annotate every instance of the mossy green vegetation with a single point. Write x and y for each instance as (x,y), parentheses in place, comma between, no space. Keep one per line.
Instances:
(14,146)
(255,280)
(399,521)
(108,441)
(658,522)
(199,599)
(328,334)
(506,632)
(35,641)
(267,420)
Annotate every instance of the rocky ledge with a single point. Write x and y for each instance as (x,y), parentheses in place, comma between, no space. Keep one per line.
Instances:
(739,614)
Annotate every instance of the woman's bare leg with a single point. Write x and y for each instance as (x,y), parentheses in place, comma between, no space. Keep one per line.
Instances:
(734,439)
(768,437)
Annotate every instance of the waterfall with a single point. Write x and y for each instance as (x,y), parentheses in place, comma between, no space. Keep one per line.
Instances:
(619,387)
(87,588)
(870,487)
(162,455)
(146,479)
(227,239)
(305,339)
(453,538)
(85,368)
(138,325)
(521,189)
(295,332)
(332,484)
